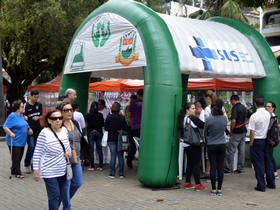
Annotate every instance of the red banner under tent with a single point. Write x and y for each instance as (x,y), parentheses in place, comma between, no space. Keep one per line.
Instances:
(241,84)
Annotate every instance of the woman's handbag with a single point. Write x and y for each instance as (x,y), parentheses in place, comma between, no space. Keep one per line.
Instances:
(191,136)
(104,139)
(69,173)
(74,158)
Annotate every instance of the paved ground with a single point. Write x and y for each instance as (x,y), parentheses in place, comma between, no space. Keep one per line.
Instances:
(100,192)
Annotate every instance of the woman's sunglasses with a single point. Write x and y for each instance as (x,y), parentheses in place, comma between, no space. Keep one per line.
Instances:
(67,110)
(56,118)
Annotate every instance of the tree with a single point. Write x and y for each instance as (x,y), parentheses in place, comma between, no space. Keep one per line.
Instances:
(156,5)
(226,8)
(35,36)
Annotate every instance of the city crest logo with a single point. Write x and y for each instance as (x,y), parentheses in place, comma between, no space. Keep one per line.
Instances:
(127,52)
(100,32)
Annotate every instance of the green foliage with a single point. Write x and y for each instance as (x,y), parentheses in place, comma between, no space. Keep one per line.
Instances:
(231,9)
(35,36)
(156,5)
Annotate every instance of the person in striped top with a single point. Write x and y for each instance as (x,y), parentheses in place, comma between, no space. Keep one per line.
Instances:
(49,160)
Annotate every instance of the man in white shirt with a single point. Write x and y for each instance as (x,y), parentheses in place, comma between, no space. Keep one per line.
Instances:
(260,151)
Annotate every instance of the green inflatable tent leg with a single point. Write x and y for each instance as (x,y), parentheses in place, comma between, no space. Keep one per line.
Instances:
(158,158)
(269,87)
(79,82)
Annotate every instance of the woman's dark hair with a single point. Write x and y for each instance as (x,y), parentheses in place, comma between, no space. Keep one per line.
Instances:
(182,114)
(93,107)
(47,116)
(181,117)
(202,102)
(63,104)
(116,107)
(273,105)
(16,105)
(217,107)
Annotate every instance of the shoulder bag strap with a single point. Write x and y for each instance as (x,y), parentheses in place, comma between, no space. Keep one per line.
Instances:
(77,127)
(58,140)
(73,133)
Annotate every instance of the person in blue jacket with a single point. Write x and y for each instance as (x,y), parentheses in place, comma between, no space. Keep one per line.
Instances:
(16,129)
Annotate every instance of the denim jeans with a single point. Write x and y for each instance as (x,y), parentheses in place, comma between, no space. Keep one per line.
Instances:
(114,152)
(57,191)
(95,137)
(30,150)
(76,182)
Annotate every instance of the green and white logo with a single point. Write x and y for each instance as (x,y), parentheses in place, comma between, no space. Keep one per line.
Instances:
(78,60)
(100,32)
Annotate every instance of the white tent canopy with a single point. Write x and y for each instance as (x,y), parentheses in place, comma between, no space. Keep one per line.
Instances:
(205,49)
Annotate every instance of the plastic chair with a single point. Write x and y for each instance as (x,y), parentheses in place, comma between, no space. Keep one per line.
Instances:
(137,142)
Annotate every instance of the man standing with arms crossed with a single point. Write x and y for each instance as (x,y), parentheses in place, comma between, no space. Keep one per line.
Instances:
(32,114)
(261,154)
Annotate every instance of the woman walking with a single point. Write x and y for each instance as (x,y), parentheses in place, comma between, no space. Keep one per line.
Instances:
(113,124)
(215,127)
(49,160)
(95,122)
(74,135)
(193,152)
(16,129)
(271,107)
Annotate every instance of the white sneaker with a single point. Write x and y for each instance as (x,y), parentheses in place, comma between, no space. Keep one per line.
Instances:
(28,170)
(111,177)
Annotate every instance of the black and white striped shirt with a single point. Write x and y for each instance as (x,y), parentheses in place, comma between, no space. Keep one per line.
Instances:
(48,156)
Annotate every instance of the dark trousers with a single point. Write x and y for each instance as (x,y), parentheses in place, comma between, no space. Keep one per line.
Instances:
(216,155)
(95,137)
(261,157)
(31,142)
(132,147)
(16,159)
(193,163)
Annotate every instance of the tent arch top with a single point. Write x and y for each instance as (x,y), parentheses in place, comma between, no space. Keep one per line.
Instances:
(150,41)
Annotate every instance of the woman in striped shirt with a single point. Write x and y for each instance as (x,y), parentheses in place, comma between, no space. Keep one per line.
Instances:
(49,159)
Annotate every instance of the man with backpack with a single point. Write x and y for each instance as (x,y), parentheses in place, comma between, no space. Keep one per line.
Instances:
(260,150)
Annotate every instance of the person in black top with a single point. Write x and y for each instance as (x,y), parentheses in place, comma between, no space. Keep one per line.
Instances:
(32,114)
(237,132)
(187,114)
(95,122)
(113,124)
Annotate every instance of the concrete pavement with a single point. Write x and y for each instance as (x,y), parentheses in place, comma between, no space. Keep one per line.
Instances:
(101,192)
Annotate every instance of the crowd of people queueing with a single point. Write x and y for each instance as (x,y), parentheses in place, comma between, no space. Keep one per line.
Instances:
(59,143)
(212,126)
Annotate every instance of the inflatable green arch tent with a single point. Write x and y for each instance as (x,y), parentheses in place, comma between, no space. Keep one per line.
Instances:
(126,39)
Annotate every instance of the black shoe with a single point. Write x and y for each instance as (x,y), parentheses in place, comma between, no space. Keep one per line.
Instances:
(129,164)
(238,171)
(270,187)
(227,172)
(257,189)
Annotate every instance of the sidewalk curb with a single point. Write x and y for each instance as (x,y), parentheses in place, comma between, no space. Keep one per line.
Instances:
(2,138)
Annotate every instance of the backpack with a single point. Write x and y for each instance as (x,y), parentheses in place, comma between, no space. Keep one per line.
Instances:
(273,133)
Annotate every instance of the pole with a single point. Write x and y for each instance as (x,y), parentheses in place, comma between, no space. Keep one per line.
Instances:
(2,107)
